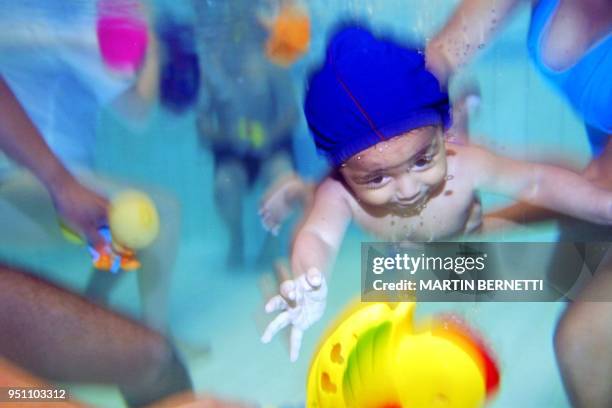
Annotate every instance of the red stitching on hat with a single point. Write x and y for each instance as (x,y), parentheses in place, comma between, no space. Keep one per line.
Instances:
(356,102)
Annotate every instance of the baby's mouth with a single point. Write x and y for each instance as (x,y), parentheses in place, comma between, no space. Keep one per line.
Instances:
(416,202)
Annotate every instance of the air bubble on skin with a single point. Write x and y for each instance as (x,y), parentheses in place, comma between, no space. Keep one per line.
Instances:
(449,177)
(343,165)
(358,157)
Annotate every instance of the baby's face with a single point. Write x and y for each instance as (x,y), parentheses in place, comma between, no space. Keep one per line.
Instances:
(399,173)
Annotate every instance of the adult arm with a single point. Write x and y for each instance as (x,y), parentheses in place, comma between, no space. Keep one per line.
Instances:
(23,143)
(471,26)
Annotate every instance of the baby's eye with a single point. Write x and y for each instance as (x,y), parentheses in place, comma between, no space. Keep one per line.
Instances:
(423,161)
(377,181)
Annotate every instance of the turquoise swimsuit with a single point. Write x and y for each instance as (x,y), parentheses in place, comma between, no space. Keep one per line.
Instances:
(587,83)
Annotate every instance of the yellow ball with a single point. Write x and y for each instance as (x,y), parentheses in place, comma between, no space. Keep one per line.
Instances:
(133,219)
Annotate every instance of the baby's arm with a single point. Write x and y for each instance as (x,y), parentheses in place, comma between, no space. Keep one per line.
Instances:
(302,299)
(319,238)
(543,185)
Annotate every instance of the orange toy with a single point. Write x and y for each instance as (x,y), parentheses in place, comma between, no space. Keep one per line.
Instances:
(289,35)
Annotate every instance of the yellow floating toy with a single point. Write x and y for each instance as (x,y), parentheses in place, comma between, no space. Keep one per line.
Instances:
(376,358)
(133,224)
(133,219)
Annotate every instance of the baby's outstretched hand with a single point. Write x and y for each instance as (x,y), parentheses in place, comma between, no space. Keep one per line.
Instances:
(300,303)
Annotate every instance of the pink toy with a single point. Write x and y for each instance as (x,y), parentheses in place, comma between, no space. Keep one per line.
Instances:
(122,34)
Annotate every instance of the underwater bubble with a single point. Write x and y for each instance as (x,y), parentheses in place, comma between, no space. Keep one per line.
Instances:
(358,157)
(449,177)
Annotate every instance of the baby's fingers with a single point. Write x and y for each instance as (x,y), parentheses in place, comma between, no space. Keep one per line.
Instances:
(295,343)
(276,304)
(275,326)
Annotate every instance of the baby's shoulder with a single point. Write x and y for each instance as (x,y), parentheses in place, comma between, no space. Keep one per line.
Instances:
(467,157)
(332,188)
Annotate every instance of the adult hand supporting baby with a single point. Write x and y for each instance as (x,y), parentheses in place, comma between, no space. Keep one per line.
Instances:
(301,303)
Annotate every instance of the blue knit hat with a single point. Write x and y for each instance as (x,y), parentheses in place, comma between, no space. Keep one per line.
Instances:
(368,90)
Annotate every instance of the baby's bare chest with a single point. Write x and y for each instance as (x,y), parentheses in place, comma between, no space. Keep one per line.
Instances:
(452,212)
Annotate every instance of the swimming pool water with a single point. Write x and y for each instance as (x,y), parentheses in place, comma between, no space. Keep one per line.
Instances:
(212,306)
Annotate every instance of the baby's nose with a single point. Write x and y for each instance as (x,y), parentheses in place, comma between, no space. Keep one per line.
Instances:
(408,187)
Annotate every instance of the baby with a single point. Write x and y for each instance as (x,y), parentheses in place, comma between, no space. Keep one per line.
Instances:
(380,118)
